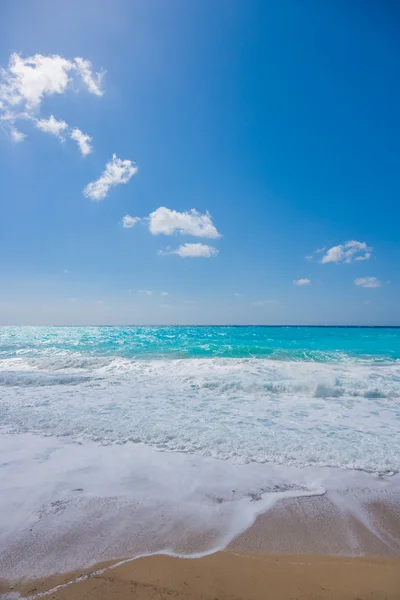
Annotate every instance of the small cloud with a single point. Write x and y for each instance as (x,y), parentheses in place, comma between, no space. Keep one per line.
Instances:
(260,303)
(16,135)
(128,221)
(145,292)
(117,171)
(100,302)
(129,291)
(167,222)
(320,250)
(67,271)
(83,140)
(193,251)
(238,295)
(53,126)
(368,282)
(301,282)
(346,252)
(309,257)
(164,294)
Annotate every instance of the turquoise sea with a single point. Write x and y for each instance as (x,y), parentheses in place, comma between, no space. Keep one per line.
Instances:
(320,344)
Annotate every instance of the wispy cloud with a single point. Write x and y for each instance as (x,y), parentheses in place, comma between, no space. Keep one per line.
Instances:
(301,282)
(164,294)
(368,282)
(193,251)
(117,171)
(128,221)
(167,222)
(145,292)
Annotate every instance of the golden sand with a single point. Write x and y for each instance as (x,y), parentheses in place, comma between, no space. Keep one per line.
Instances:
(237,576)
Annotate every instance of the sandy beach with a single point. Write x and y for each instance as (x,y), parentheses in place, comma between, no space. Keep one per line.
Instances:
(240,576)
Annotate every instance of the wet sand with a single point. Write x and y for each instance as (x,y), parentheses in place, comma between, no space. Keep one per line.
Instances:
(237,576)
(320,526)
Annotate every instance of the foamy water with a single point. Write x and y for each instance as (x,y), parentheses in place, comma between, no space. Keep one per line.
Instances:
(116,441)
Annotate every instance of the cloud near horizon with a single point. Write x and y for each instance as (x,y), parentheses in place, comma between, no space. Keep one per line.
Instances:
(368,282)
(260,303)
(347,252)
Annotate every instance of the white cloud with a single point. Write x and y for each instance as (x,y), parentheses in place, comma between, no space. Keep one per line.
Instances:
(347,252)
(60,129)
(128,221)
(93,83)
(145,292)
(83,140)
(260,303)
(301,282)
(28,80)
(164,294)
(368,282)
(53,126)
(17,135)
(193,251)
(238,295)
(166,221)
(117,171)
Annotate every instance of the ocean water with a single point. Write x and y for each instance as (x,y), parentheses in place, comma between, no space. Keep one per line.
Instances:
(141,439)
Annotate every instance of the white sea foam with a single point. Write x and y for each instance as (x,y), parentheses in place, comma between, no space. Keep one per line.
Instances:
(246,410)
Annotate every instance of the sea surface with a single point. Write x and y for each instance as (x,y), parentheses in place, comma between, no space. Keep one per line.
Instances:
(120,437)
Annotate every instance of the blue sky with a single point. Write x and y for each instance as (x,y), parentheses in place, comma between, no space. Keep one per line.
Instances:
(278,122)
